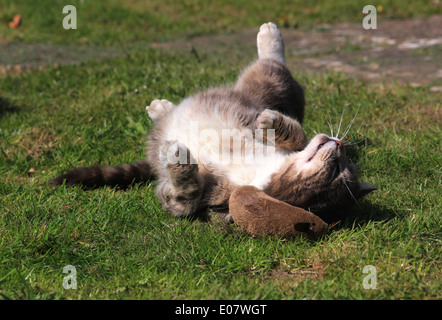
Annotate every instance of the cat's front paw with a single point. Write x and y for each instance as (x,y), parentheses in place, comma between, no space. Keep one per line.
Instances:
(159,107)
(267,119)
(175,153)
(169,152)
(269,42)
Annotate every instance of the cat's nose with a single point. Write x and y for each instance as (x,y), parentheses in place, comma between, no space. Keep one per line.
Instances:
(338,144)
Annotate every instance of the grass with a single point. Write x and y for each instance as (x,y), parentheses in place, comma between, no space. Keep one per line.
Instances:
(124,246)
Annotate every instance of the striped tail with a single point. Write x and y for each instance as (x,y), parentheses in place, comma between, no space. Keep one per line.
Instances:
(98,176)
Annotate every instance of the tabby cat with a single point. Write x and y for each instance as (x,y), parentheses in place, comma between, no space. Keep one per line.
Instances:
(246,134)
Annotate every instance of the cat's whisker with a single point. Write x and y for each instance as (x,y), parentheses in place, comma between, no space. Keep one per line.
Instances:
(357,131)
(347,129)
(349,144)
(330,124)
(340,122)
(330,127)
(351,193)
(349,125)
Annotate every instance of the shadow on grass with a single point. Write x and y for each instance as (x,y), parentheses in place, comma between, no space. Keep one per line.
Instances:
(355,150)
(7,107)
(363,213)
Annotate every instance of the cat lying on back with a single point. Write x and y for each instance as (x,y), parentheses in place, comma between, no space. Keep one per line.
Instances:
(247,134)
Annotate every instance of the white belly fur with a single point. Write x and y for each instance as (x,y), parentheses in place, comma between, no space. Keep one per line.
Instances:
(202,135)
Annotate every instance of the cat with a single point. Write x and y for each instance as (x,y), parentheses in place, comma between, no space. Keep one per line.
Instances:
(263,111)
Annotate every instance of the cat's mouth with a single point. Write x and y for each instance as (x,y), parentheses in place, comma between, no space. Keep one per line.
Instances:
(325,140)
(316,151)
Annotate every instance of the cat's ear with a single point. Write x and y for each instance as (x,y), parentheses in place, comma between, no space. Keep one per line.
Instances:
(364,189)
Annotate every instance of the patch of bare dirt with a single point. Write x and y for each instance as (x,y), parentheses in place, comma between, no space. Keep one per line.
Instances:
(32,142)
(17,57)
(407,51)
(288,275)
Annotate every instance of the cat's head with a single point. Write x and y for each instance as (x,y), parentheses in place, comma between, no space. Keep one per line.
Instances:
(325,182)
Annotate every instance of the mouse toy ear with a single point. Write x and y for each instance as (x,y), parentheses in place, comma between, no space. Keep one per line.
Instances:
(261,215)
(364,189)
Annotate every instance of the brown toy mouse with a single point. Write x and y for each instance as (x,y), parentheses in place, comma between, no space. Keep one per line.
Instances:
(262,215)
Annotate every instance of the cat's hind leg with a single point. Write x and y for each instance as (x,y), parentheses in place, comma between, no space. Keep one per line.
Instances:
(288,132)
(269,42)
(180,193)
(269,80)
(158,108)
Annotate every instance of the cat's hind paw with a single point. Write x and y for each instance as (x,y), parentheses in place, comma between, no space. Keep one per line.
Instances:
(269,42)
(158,108)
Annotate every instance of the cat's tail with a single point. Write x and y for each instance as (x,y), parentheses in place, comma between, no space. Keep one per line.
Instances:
(98,176)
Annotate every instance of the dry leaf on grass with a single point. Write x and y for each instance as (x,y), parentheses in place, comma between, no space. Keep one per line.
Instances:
(16,21)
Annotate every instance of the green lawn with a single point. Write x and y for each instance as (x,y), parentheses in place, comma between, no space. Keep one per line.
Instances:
(124,246)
